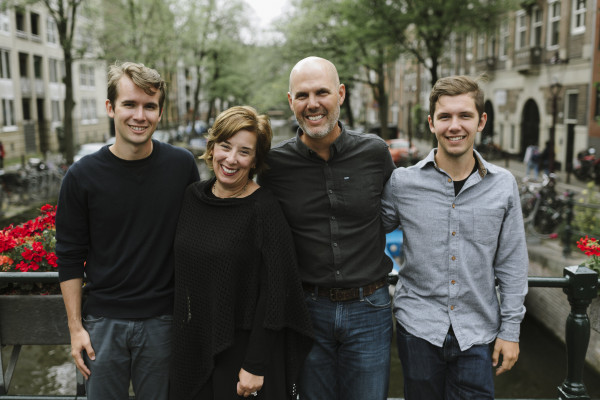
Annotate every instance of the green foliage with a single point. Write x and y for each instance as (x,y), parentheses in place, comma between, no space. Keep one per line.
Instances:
(587,220)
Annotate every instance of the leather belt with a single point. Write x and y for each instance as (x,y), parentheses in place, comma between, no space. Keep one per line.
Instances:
(344,294)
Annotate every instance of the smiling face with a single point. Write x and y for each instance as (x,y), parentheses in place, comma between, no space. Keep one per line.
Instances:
(315,96)
(233,159)
(455,124)
(136,115)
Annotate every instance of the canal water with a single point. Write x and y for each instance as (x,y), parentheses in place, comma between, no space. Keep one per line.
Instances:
(540,370)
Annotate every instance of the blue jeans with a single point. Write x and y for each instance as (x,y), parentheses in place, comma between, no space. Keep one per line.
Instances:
(138,350)
(444,373)
(350,359)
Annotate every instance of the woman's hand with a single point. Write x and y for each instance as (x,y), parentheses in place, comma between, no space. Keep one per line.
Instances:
(249,384)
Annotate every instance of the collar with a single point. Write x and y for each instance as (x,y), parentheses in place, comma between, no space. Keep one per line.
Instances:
(336,147)
(483,167)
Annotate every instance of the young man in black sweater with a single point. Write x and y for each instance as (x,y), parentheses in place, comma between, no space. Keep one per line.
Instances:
(115,223)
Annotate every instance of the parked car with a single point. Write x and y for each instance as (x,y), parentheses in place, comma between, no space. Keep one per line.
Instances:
(401,153)
(87,148)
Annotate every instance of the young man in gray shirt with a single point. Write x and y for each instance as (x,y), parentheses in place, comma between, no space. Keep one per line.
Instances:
(463,229)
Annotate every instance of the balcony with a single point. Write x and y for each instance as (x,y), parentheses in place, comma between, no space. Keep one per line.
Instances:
(486,64)
(39,87)
(528,60)
(26,86)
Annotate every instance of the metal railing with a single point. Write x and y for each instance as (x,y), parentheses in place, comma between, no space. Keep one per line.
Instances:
(579,283)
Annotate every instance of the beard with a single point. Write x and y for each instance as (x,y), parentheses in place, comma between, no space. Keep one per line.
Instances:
(321,132)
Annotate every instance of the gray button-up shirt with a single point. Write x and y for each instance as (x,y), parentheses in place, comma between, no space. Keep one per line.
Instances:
(455,247)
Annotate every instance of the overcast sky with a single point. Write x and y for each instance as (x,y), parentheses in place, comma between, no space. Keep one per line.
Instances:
(268,10)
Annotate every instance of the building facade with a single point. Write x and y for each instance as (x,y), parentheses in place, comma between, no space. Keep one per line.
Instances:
(32,89)
(541,72)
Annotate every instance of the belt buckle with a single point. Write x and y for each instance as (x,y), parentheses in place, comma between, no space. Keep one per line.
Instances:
(333,294)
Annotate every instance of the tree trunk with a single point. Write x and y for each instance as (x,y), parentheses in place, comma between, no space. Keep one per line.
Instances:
(348,108)
(69,106)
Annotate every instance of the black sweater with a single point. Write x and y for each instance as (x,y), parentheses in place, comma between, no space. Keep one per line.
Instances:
(229,253)
(119,218)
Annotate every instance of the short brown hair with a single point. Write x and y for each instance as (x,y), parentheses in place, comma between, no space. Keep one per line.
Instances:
(233,120)
(455,86)
(145,78)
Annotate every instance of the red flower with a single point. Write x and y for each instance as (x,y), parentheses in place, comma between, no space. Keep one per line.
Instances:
(30,246)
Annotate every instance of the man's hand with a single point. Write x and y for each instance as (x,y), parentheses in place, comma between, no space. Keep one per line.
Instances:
(510,355)
(249,383)
(80,341)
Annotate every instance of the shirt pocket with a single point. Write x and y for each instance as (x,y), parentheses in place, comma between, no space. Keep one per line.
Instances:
(487,224)
(360,195)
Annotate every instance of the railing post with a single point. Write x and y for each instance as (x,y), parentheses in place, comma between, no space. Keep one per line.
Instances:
(568,232)
(582,289)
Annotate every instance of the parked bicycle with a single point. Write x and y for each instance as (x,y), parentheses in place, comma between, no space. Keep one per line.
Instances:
(587,166)
(543,208)
(36,180)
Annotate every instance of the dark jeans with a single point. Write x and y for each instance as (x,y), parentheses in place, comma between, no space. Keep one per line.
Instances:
(137,350)
(350,359)
(444,373)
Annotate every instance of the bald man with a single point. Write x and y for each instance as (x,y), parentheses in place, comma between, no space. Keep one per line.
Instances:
(329,181)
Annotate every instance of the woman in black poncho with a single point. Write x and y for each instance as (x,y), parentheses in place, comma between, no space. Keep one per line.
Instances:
(241,327)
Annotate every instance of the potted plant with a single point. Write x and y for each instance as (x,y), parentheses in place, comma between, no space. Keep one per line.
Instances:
(591,248)
(31,307)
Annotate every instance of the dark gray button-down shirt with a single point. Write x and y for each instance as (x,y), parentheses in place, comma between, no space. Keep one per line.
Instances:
(455,246)
(334,207)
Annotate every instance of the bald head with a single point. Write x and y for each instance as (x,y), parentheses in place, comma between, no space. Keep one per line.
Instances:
(314,66)
(315,97)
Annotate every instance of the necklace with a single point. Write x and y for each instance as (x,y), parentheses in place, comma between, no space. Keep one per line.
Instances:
(236,194)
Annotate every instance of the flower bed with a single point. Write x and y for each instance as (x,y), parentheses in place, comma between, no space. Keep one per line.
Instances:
(29,247)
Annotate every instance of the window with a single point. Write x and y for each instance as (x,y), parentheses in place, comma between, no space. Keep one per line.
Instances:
(82,75)
(4,64)
(597,110)
(23,65)
(571,112)
(55,70)
(51,33)
(91,76)
(480,47)
(4,21)
(553,24)
(504,36)
(35,24)
(26,109)
(536,27)
(521,30)
(469,46)
(37,67)
(578,19)
(20,17)
(86,75)
(55,111)
(8,112)
(88,110)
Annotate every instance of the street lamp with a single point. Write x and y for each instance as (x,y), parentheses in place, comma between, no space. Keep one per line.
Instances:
(555,88)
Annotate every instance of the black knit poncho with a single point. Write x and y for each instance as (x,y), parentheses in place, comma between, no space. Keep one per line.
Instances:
(226,252)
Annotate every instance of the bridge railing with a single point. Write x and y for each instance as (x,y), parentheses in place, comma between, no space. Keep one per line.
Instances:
(579,283)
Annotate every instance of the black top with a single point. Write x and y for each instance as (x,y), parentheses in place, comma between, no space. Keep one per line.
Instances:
(333,207)
(230,255)
(119,218)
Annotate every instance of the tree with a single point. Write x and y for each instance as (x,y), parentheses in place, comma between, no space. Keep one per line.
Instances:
(65,14)
(348,32)
(424,28)
(140,31)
